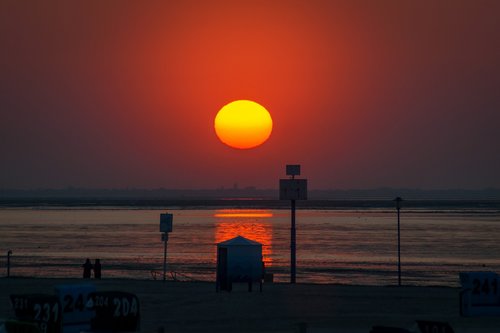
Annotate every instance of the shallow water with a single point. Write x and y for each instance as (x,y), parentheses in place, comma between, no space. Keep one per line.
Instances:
(349,246)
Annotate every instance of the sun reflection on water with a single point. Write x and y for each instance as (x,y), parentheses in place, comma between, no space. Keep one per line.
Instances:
(253,224)
(235,213)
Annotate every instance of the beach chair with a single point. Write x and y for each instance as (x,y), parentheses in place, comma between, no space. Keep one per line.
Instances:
(42,311)
(76,316)
(480,294)
(115,311)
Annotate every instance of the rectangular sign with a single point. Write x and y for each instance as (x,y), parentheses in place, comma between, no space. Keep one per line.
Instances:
(293,189)
(166,222)
(293,169)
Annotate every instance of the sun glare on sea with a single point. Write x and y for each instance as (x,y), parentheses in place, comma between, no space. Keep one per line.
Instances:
(243,124)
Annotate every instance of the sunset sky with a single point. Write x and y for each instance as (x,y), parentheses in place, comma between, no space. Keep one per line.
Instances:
(363,94)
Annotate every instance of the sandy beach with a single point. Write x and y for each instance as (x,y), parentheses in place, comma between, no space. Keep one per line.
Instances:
(196,307)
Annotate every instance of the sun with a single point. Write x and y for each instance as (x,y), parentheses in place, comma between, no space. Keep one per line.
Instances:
(243,124)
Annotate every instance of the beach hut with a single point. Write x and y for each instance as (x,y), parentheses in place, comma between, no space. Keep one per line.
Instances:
(239,260)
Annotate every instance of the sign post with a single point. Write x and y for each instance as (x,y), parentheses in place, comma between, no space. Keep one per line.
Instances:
(293,189)
(166,221)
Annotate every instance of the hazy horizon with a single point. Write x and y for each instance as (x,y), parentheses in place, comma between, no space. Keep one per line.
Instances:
(240,188)
(241,194)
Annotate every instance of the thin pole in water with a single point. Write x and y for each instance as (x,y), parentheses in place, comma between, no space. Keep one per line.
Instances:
(165,235)
(398,207)
(293,245)
(293,189)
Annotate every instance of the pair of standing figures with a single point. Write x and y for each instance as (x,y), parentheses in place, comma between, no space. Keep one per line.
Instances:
(87,269)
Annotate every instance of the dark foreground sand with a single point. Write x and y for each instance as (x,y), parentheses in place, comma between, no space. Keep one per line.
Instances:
(196,307)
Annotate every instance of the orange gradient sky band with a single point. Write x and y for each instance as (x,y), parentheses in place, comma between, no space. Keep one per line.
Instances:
(363,94)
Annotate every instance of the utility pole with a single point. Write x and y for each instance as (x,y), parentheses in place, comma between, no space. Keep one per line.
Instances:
(293,189)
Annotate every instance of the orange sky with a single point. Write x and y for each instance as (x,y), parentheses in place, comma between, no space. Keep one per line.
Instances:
(363,94)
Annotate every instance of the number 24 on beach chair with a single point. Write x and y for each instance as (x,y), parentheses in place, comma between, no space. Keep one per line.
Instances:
(480,294)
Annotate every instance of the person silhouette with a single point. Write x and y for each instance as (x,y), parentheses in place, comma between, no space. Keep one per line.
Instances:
(87,268)
(97,269)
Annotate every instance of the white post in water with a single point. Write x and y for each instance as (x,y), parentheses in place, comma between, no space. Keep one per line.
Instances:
(293,189)
(166,221)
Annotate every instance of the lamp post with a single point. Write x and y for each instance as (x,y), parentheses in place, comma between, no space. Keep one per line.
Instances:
(398,208)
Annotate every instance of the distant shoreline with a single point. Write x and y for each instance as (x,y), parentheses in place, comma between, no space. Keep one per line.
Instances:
(246,203)
(248,193)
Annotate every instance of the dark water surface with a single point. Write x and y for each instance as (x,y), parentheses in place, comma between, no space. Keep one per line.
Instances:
(351,246)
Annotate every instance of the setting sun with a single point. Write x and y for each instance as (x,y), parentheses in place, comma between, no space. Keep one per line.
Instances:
(243,124)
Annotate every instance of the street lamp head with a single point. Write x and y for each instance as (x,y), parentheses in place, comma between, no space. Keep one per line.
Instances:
(398,202)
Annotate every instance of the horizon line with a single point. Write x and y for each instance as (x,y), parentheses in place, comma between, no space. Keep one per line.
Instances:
(245,188)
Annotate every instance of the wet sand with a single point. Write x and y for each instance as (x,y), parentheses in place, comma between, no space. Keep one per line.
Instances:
(196,307)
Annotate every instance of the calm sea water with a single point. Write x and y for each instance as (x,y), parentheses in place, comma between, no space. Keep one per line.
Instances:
(350,246)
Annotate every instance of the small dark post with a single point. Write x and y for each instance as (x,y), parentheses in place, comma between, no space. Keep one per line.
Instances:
(293,246)
(8,262)
(166,221)
(165,237)
(398,208)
